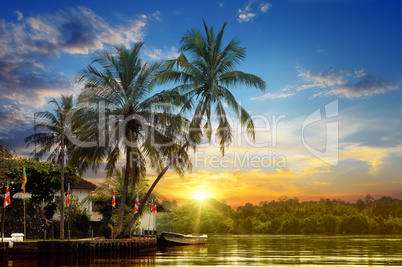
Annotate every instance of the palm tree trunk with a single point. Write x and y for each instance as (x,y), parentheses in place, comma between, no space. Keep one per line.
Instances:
(144,201)
(161,174)
(62,180)
(124,191)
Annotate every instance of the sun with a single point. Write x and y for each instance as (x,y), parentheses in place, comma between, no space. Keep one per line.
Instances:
(200,195)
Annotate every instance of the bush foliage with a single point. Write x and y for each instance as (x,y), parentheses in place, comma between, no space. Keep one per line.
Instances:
(287,216)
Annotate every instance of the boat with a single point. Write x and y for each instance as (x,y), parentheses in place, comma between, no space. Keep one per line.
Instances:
(174,239)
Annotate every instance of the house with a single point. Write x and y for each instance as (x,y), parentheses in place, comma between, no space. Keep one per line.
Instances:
(82,190)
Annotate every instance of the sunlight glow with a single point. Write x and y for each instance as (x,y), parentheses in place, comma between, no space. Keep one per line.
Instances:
(200,195)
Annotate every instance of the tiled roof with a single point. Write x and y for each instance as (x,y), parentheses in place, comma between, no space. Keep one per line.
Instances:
(85,184)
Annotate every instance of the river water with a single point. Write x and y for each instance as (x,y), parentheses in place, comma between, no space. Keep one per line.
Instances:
(264,250)
(268,250)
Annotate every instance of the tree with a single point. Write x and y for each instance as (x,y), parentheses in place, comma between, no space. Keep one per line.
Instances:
(54,138)
(119,114)
(49,139)
(78,217)
(204,80)
(43,178)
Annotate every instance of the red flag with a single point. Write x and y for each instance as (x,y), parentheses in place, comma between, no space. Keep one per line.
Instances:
(24,181)
(68,196)
(154,209)
(7,199)
(151,207)
(114,200)
(137,203)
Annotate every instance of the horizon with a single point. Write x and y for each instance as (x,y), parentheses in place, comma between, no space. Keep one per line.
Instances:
(327,126)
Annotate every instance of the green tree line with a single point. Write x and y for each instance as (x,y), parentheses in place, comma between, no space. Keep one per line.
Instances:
(287,216)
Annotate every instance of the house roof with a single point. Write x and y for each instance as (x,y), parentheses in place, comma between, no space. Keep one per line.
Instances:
(85,184)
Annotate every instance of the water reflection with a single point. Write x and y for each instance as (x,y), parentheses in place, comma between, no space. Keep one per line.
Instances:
(263,250)
(147,260)
(268,250)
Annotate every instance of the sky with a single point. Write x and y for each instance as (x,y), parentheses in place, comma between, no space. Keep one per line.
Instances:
(327,126)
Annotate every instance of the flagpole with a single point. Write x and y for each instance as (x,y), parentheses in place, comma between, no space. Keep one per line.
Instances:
(149,221)
(114,225)
(24,181)
(68,213)
(3,219)
(25,226)
(2,223)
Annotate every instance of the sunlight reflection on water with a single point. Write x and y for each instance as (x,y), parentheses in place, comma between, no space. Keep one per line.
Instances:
(258,250)
(266,250)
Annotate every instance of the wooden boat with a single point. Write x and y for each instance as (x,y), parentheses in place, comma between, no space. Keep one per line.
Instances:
(173,239)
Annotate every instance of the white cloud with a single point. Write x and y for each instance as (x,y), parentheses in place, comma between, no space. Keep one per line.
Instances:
(19,14)
(248,13)
(158,54)
(340,83)
(25,80)
(264,7)
(344,83)
(245,17)
(156,15)
(75,31)
(271,96)
(220,4)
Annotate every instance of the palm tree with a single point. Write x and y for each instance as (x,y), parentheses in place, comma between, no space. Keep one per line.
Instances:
(118,112)
(54,139)
(204,81)
(49,138)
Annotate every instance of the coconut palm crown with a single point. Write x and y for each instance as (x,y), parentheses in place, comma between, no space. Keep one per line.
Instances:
(49,140)
(205,78)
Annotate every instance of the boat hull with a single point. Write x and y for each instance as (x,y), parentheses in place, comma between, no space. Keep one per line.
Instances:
(173,239)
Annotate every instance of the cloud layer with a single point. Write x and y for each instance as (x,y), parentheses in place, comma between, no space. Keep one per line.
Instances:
(252,9)
(344,83)
(24,44)
(340,83)
(27,44)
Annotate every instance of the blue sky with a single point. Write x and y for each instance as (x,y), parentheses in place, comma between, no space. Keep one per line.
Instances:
(309,52)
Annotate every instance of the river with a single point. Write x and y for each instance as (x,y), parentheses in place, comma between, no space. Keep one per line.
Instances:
(266,250)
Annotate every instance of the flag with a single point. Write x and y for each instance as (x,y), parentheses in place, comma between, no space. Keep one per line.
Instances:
(68,196)
(151,207)
(7,199)
(114,200)
(24,181)
(137,203)
(154,209)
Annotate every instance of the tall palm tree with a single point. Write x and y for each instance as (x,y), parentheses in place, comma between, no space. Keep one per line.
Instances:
(204,80)
(54,139)
(49,138)
(119,113)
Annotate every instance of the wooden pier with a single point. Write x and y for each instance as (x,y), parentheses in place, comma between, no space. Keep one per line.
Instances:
(66,251)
